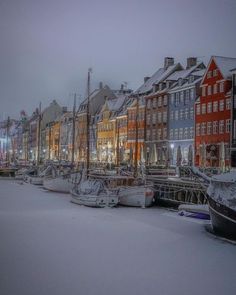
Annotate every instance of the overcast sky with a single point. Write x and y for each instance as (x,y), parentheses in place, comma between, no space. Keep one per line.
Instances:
(46,46)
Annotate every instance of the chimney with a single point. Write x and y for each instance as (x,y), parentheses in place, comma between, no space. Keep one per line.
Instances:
(100,85)
(191,61)
(168,61)
(145,79)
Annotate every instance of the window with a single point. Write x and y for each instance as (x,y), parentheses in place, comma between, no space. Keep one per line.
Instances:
(164,133)
(209,107)
(215,106)
(198,109)
(192,93)
(186,114)
(191,113)
(181,114)
(198,126)
(176,133)
(177,99)
(203,128)
(209,89)
(187,96)
(191,132)
(154,118)
(171,133)
(215,127)
(154,103)
(176,115)
(222,104)
(228,104)
(182,96)
(148,134)
(160,101)
(203,108)
(227,125)
(209,128)
(180,133)
(159,117)
(159,134)
(221,86)
(186,132)
(172,115)
(215,88)
(172,98)
(165,100)
(209,74)
(165,117)
(154,134)
(215,73)
(149,104)
(203,90)
(221,126)
(148,118)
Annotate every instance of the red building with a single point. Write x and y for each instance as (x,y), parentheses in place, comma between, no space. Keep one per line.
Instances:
(213,115)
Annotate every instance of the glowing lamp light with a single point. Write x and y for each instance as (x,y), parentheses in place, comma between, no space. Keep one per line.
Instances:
(172,145)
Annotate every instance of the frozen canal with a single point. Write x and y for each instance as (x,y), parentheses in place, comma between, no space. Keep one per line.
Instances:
(49,246)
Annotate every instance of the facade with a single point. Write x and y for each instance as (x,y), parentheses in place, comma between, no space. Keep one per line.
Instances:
(213,115)
(157,115)
(97,98)
(65,141)
(182,96)
(233,119)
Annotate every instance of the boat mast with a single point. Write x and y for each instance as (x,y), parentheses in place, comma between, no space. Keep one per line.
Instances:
(73,132)
(136,138)
(118,144)
(39,133)
(88,122)
(7,143)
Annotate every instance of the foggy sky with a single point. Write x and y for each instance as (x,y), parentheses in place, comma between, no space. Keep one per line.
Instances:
(47,46)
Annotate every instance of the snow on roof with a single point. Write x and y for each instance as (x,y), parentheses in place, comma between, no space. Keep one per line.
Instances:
(183,74)
(225,64)
(116,103)
(199,73)
(147,86)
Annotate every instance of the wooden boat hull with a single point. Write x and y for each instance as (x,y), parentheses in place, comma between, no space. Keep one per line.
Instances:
(223,219)
(58,185)
(94,201)
(136,196)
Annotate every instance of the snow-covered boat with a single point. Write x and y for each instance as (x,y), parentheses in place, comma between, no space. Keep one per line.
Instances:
(62,183)
(222,203)
(39,178)
(195,211)
(131,191)
(93,193)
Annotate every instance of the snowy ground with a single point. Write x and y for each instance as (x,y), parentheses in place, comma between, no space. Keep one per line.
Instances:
(50,246)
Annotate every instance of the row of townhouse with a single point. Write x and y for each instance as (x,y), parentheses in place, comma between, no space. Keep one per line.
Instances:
(178,116)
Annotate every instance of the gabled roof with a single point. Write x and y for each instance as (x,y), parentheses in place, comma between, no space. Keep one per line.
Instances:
(183,73)
(225,65)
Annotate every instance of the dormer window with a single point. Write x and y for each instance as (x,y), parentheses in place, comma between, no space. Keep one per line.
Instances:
(180,81)
(191,79)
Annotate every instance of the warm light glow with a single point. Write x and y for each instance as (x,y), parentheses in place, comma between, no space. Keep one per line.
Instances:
(172,145)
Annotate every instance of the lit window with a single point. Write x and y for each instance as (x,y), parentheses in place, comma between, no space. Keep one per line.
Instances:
(215,106)
(215,88)
(221,126)
(198,129)
(228,104)
(209,74)
(209,128)
(203,128)
(221,105)
(221,86)
(215,127)
(209,107)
